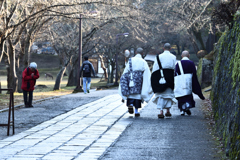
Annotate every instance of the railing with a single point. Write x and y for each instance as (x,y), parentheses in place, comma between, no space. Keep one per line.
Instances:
(10,112)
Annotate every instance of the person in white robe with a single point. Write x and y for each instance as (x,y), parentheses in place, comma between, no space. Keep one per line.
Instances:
(135,100)
(165,99)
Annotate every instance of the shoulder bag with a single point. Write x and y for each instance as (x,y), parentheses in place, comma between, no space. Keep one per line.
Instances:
(182,83)
(162,79)
(131,81)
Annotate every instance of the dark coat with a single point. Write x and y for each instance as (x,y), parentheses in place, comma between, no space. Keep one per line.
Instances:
(28,82)
(189,67)
(91,69)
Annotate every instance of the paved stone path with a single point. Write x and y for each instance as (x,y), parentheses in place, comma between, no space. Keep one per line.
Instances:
(97,128)
(82,133)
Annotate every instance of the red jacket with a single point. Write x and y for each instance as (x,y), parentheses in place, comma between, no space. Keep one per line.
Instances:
(28,82)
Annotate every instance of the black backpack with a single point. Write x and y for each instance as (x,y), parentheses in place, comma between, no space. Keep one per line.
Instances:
(86,68)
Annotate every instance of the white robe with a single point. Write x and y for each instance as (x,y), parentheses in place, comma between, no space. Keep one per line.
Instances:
(138,63)
(165,99)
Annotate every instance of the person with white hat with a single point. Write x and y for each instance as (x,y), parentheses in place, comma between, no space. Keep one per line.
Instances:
(29,76)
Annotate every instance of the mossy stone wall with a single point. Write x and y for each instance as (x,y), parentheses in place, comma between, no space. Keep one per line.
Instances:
(225,94)
(205,72)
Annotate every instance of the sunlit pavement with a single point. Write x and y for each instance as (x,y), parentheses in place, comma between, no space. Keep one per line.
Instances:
(103,129)
(82,133)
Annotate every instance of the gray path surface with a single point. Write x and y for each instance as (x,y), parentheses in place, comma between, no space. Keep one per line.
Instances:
(97,126)
(176,138)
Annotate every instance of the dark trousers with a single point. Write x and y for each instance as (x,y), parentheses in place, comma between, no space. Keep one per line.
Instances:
(135,102)
(28,99)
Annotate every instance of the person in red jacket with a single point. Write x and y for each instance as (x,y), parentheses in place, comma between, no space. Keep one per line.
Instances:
(29,76)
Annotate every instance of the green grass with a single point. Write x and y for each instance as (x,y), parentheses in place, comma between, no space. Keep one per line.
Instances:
(41,93)
(95,82)
(46,64)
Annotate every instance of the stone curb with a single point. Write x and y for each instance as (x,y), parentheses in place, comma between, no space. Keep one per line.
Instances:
(40,100)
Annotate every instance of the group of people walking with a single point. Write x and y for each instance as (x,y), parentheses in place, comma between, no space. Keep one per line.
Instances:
(138,84)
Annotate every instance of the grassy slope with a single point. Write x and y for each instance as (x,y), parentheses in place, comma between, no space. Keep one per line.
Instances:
(46,63)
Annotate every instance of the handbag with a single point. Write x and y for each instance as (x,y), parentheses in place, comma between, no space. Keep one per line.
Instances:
(131,81)
(182,83)
(162,79)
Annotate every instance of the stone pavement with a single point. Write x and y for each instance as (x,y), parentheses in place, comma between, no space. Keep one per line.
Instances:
(98,126)
(82,133)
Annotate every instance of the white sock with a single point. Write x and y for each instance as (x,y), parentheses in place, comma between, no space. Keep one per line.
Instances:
(136,110)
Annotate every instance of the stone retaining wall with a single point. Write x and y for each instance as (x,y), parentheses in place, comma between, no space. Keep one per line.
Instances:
(225,94)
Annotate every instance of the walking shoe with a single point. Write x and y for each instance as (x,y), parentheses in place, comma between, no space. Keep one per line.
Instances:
(28,106)
(182,113)
(168,114)
(130,109)
(88,91)
(160,116)
(188,112)
(137,114)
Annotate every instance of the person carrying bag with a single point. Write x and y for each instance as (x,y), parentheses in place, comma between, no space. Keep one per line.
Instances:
(131,81)
(162,81)
(186,82)
(135,84)
(182,83)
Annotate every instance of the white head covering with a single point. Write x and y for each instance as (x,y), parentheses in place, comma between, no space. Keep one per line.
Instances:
(33,65)
(127,53)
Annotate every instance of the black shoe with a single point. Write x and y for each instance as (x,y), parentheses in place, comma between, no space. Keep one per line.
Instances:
(29,106)
(168,114)
(137,114)
(188,112)
(160,116)
(130,109)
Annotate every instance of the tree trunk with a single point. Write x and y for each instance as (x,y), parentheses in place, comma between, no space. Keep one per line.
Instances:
(116,72)
(59,79)
(198,36)
(12,79)
(20,68)
(112,73)
(1,49)
(1,55)
(192,37)
(103,67)
(7,64)
(178,49)
(72,78)
(23,60)
(60,75)
(105,73)
(19,76)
